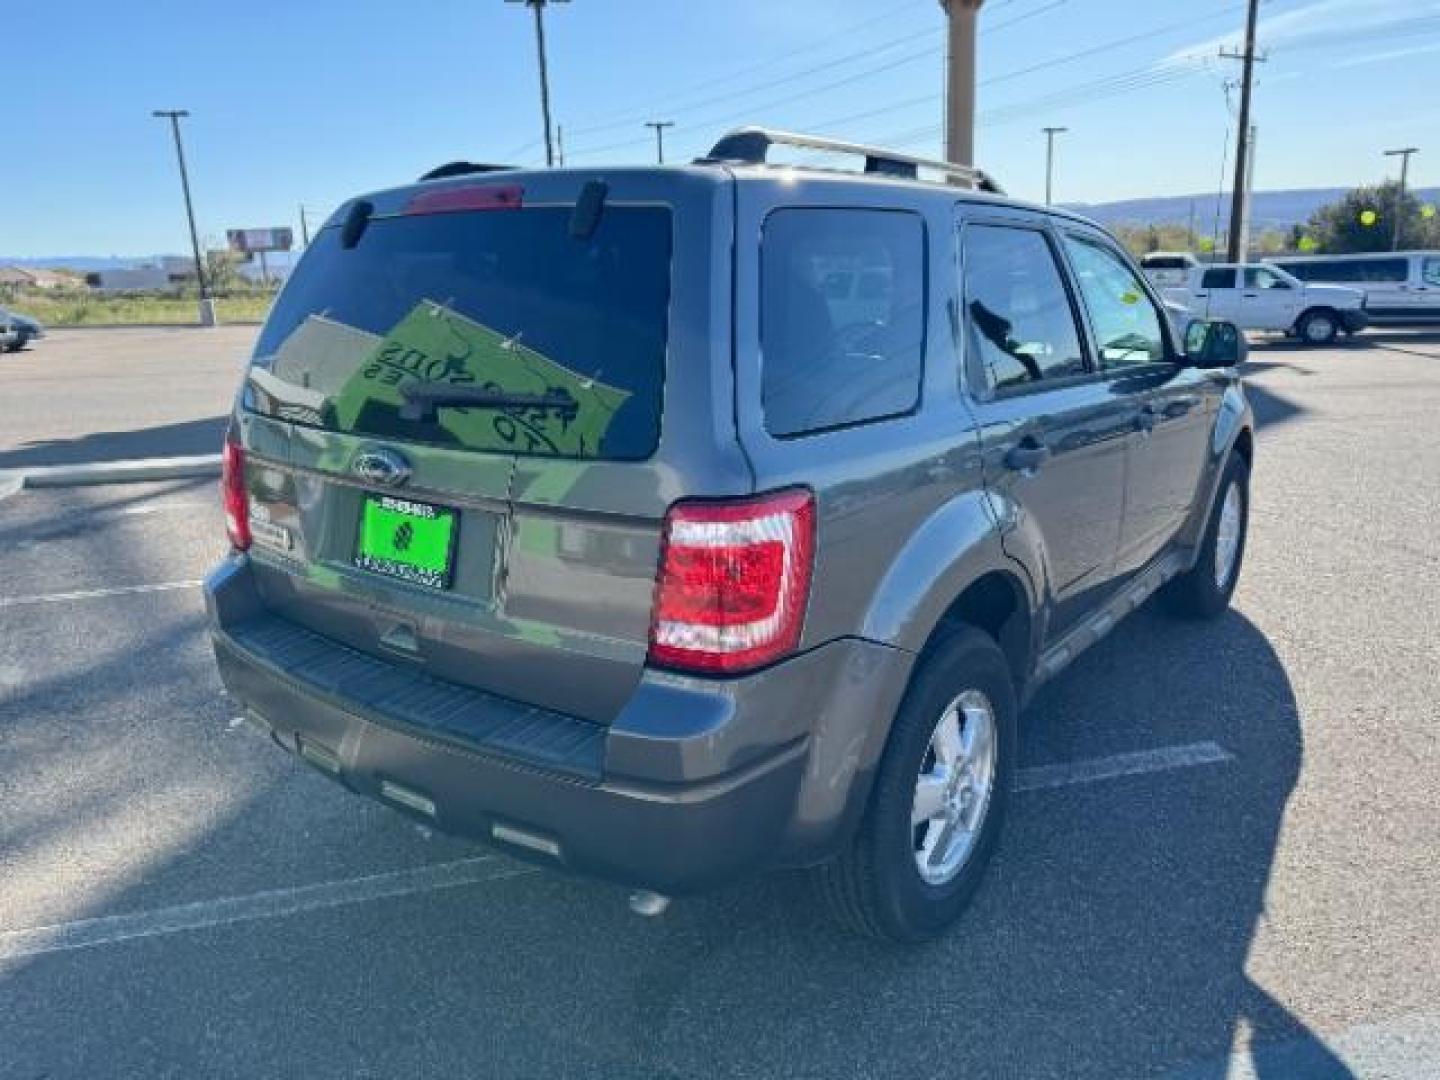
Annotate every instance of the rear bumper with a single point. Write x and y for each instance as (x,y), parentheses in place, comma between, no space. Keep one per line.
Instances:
(695,782)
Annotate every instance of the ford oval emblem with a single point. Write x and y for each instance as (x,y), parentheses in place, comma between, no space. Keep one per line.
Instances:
(381,466)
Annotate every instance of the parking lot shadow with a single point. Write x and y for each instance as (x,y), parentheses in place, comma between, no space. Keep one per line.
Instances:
(1110,940)
(164,440)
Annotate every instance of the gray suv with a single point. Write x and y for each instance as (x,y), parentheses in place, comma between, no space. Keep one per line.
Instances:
(672,524)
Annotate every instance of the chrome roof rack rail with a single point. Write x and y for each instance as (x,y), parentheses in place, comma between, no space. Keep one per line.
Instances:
(751,146)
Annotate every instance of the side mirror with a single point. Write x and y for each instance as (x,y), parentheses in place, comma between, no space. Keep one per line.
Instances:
(1215,344)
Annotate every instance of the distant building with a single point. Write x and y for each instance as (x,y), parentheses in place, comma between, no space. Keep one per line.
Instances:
(170,270)
(26,277)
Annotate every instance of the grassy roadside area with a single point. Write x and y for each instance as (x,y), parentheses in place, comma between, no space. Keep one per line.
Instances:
(79,309)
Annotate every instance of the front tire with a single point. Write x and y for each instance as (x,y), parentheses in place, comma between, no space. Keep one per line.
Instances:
(939,799)
(1205,591)
(1318,327)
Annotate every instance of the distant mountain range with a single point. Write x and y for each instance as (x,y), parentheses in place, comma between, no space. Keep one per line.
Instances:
(1268,209)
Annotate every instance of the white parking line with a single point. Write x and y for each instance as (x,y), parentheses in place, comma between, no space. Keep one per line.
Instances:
(273,904)
(1092,770)
(97,594)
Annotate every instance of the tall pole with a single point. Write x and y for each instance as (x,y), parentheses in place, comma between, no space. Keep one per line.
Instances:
(304,228)
(659,126)
(560,145)
(1242,153)
(1050,133)
(1243,255)
(960,80)
(1404,156)
(174,115)
(538,7)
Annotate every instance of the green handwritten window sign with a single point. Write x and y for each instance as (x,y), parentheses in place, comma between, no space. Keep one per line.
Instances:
(435,344)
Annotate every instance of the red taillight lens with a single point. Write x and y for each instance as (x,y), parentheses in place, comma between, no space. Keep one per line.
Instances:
(454,200)
(232,494)
(733,584)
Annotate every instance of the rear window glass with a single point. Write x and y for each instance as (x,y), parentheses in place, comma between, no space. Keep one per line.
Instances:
(1219,278)
(842,316)
(503,301)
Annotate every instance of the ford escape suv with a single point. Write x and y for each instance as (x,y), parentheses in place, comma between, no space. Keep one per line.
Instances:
(670,524)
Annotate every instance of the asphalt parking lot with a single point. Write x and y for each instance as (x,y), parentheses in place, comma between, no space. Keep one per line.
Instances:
(106,395)
(1223,862)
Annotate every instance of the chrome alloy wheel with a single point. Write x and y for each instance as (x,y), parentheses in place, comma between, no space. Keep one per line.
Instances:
(1227,536)
(952,792)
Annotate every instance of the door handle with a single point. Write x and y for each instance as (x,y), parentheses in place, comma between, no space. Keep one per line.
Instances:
(1028,456)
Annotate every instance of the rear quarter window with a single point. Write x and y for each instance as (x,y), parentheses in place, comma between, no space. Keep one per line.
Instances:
(842,317)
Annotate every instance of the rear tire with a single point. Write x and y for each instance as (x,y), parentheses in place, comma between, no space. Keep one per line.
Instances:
(877,887)
(1318,327)
(1205,591)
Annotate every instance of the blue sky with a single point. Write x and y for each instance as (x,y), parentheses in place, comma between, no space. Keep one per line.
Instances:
(311,100)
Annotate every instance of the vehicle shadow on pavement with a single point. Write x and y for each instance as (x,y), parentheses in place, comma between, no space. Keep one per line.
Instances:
(181,439)
(1110,940)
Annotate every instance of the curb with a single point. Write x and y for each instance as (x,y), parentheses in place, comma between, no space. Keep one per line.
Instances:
(63,329)
(197,467)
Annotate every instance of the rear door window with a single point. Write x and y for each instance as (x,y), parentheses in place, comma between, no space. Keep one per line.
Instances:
(842,317)
(506,301)
(1218,277)
(1431,272)
(1021,324)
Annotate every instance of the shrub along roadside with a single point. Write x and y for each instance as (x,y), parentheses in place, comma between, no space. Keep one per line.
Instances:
(59,308)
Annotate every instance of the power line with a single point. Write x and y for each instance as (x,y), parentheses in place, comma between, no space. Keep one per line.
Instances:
(631,115)
(734,116)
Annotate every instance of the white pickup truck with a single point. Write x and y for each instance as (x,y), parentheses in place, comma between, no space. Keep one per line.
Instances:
(1258,296)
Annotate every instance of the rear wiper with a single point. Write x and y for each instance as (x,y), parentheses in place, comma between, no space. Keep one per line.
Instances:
(422,399)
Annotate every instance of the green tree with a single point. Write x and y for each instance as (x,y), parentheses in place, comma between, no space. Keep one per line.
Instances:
(1364,220)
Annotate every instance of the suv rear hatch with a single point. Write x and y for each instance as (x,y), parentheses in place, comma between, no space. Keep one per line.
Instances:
(452,431)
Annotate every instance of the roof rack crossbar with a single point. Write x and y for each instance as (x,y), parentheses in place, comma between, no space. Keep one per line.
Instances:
(751,146)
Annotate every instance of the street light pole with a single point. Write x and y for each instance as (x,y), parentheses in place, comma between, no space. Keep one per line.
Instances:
(538,6)
(207,305)
(960,80)
(1050,133)
(1404,156)
(659,126)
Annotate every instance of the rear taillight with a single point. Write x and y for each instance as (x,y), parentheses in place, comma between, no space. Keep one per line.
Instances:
(734,580)
(232,494)
(452,200)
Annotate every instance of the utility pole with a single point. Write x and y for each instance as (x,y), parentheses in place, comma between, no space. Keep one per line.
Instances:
(207,305)
(960,80)
(538,6)
(1050,133)
(1404,156)
(1243,255)
(1242,152)
(304,228)
(560,145)
(660,126)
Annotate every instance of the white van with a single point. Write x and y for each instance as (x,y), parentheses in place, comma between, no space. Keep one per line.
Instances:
(1402,289)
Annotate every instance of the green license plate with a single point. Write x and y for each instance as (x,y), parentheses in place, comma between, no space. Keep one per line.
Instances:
(411,541)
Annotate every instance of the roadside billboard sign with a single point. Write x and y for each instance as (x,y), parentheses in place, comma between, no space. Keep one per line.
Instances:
(251,241)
